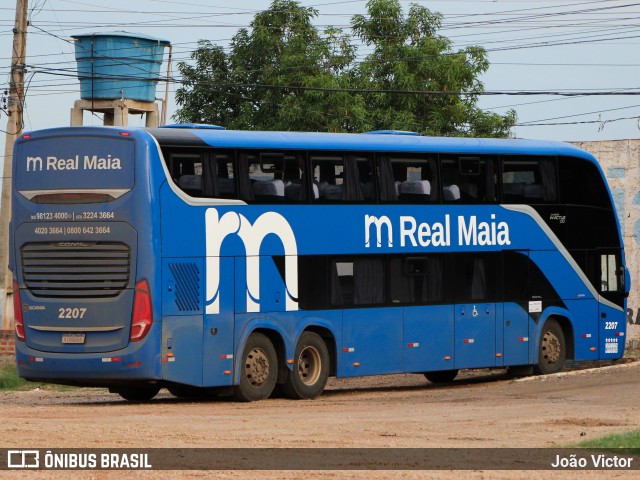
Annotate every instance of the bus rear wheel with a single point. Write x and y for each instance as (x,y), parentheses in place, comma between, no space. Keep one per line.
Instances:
(310,368)
(259,369)
(441,376)
(552,350)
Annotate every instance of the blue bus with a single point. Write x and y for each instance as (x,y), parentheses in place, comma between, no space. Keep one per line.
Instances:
(200,259)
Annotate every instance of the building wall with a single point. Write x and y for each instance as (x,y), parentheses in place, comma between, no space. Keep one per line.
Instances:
(620,161)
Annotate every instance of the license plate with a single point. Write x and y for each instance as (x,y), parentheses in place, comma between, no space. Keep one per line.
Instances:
(73,338)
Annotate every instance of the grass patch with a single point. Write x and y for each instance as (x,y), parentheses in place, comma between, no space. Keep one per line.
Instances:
(9,379)
(630,439)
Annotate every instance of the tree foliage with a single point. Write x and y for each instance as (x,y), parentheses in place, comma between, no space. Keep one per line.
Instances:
(282,73)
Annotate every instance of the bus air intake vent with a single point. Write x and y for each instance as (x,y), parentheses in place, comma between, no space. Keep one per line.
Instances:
(187,278)
(76,269)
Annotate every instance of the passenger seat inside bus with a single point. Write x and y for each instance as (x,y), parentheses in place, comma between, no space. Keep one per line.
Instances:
(294,193)
(330,192)
(451,193)
(269,191)
(415,191)
(226,187)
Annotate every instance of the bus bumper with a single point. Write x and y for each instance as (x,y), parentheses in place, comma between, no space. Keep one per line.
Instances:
(135,362)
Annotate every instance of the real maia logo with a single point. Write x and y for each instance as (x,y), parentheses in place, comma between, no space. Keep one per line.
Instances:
(410,232)
(78,162)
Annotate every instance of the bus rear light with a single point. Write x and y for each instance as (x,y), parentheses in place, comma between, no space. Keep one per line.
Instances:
(142,316)
(125,134)
(17,312)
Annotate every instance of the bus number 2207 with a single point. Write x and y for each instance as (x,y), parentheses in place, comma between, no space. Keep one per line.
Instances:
(71,312)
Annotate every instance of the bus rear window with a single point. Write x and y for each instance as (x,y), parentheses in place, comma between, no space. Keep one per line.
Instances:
(82,169)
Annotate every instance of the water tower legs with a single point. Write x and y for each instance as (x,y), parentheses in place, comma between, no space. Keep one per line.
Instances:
(116,112)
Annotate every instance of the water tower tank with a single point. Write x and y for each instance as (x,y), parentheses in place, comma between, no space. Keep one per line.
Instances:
(118,65)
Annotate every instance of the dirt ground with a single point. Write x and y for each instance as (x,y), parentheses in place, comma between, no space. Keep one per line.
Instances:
(485,409)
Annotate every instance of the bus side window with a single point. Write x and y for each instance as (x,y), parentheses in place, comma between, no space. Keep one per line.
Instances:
(581,183)
(468,180)
(314,282)
(407,179)
(204,173)
(475,276)
(295,179)
(186,171)
(529,180)
(266,171)
(605,272)
(218,175)
(341,283)
(358,281)
(515,276)
(417,279)
(225,177)
(342,178)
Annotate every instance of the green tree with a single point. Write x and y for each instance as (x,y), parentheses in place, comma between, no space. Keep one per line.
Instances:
(274,78)
(409,56)
(283,74)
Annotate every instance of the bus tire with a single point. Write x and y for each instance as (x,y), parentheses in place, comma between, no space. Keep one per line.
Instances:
(552,350)
(258,371)
(138,394)
(310,371)
(441,376)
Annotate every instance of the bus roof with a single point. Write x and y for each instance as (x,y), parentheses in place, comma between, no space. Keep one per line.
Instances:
(382,141)
(385,141)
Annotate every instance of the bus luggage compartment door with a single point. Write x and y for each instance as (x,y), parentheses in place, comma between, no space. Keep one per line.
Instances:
(182,320)
(372,341)
(428,338)
(475,335)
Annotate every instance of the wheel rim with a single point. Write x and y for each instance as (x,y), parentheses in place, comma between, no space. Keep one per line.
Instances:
(551,348)
(257,367)
(309,365)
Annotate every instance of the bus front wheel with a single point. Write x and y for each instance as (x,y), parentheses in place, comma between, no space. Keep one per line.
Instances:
(310,368)
(441,376)
(552,350)
(259,369)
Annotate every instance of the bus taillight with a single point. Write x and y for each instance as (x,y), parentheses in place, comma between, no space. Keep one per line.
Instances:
(17,312)
(142,316)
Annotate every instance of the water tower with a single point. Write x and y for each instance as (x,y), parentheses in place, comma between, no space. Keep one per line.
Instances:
(118,75)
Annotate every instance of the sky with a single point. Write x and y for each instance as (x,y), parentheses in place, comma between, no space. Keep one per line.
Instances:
(586,49)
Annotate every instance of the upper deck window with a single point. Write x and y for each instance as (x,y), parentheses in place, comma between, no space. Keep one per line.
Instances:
(468,179)
(342,177)
(407,179)
(581,183)
(529,180)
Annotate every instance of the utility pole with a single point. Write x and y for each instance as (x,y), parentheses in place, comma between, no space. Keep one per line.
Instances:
(14,128)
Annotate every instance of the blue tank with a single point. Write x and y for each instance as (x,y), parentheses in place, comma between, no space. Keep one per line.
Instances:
(118,65)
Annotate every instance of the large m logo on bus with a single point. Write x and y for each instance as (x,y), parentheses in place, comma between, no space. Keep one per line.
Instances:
(232,223)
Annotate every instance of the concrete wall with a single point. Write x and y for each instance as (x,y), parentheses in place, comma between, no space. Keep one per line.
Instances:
(620,160)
